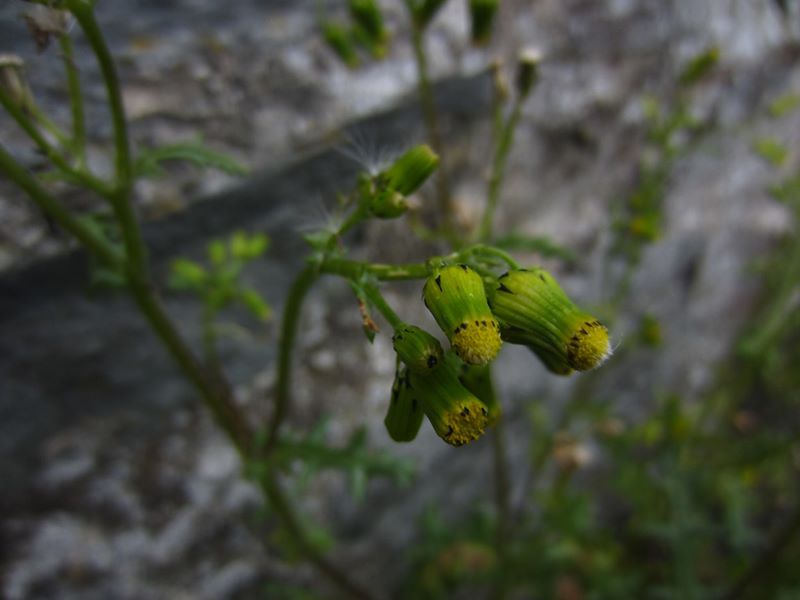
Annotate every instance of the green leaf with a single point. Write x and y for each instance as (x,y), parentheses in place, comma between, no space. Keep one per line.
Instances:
(699,66)
(248,247)
(217,253)
(339,40)
(319,240)
(187,275)
(787,191)
(771,150)
(783,105)
(255,304)
(148,162)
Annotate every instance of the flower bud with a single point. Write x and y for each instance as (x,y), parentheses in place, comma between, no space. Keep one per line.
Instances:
(386,192)
(527,71)
(536,312)
(419,350)
(12,80)
(478,380)
(338,39)
(404,417)
(368,19)
(482,13)
(457,416)
(409,171)
(457,300)
(423,11)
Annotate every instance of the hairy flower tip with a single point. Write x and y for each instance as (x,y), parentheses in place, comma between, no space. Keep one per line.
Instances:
(536,312)
(457,416)
(404,417)
(456,297)
(419,350)
(527,70)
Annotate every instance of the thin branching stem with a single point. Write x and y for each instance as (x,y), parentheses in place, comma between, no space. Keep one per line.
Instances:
(431,117)
(289,324)
(87,236)
(76,175)
(121,199)
(374,295)
(502,493)
(502,149)
(75,100)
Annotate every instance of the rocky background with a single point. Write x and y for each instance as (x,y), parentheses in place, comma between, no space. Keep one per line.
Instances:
(116,484)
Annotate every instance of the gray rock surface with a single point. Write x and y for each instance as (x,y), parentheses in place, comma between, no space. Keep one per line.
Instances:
(115,484)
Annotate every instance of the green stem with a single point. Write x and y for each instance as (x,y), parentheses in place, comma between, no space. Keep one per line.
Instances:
(281,505)
(431,118)
(482,249)
(76,100)
(502,149)
(380,303)
(85,235)
(291,318)
(502,487)
(53,155)
(351,269)
(84,14)
(121,199)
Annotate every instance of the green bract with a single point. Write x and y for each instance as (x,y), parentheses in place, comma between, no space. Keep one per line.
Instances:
(419,350)
(456,298)
(457,416)
(536,312)
(478,380)
(404,417)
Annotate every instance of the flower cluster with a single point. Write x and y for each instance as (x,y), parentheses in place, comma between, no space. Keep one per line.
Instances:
(453,388)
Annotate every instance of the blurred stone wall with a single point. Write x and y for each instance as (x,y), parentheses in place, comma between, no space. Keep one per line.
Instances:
(115,482)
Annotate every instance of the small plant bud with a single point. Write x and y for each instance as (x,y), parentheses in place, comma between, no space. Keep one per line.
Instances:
(419,350)
(404,417)
(338,39)
(535,311)
(411,170)
(478,380)
(500,82)
(387,191)
(482,13)
(527,71)
(368,19)
(457,416)
(12,80)
(423,11)
(456,298)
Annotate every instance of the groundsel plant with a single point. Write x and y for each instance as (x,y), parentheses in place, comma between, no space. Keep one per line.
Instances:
(477,293)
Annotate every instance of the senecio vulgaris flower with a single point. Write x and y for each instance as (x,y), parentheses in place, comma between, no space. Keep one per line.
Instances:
(429,381)
(457,415)
(456,297)
(535,311)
